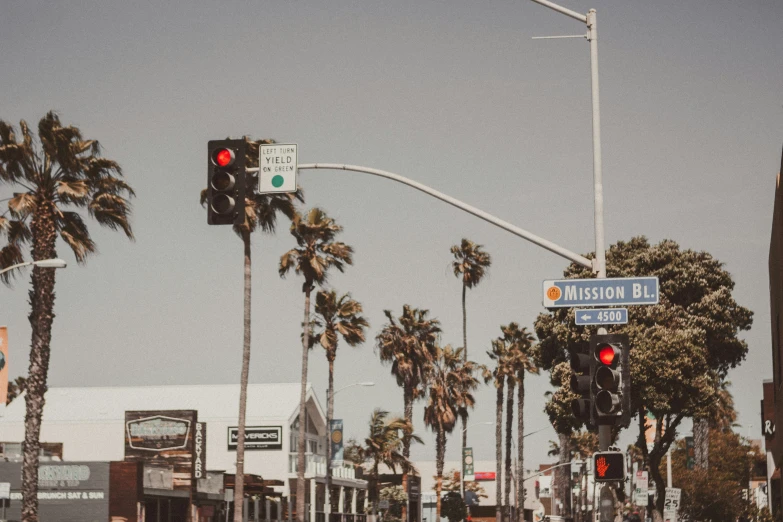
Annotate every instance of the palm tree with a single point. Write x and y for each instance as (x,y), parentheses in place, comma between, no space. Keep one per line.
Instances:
(470,264)
(55,177)
(335,317)
(522,359)
(451,385)
(315,254)
(383,445)
(499,374)
(410,345)
(261,211)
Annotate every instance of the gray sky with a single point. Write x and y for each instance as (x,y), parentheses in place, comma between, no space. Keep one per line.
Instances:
(453,94)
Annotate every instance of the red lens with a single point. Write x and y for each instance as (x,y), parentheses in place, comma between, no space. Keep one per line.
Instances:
(224,157)
(606,354)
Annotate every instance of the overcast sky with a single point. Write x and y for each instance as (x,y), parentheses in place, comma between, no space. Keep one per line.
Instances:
(454,94)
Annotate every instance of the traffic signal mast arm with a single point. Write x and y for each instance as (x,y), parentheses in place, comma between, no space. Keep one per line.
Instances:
(524,234)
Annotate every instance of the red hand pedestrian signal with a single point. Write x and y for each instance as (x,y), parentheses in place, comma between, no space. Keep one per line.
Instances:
(609,466)
(601,466)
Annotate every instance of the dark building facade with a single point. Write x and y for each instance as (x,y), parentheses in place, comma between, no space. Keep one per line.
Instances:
(776,322)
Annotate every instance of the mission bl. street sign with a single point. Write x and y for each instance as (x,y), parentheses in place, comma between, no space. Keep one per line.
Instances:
(564,293)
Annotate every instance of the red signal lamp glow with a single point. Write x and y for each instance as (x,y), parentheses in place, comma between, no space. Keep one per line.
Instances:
(224,157)
(606,354)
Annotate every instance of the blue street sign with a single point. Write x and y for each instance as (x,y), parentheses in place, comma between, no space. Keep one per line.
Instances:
(601,316)
(561,293)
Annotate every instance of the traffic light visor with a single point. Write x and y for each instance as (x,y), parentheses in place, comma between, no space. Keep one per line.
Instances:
(223,157)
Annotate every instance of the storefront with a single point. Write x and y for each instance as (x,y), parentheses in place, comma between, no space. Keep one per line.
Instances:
(184,439)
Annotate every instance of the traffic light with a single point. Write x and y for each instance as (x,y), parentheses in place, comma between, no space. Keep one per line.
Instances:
(581,379)
(226,182)
(611,377)
(608,466)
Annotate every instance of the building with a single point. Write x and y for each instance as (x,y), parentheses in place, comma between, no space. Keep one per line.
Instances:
(775,444)
(185,436)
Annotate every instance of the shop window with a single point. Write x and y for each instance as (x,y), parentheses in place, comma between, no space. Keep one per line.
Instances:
(49,451)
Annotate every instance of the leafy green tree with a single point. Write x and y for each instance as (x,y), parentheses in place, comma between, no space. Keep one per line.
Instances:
(453,507)
(409,345)
(51,181)
(715,493)
(682,347)
(451,482)
(470,265)
(451,387)
(335,318)
(316,252)
(261,213)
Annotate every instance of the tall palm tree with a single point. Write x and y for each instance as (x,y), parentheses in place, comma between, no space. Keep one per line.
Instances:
(470,265)
(499,374)
(52,179)
(335,318)
(409,343)
(261,212)
(383,445)
(522,359)
(451,387)
(315,254)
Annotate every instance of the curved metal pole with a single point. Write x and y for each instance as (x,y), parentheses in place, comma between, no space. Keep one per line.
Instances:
(18,265)
(524,234)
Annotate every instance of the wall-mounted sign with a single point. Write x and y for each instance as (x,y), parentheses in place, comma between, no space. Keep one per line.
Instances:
(158,433)
(257,438)
(200,451)
(163,438)
(484,475)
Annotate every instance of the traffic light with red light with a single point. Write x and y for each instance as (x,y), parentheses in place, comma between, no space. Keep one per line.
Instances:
(226,182)
(610,377)
(581,383)
(608,466)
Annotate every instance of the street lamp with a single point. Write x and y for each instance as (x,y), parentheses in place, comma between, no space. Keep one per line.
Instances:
(327,499)
(44,263)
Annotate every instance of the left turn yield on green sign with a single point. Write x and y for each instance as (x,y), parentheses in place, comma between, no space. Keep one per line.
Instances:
(277,168)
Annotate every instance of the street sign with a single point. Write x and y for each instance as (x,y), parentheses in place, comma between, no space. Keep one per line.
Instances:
(383,504)
(467,461)
(277,168)
(671,504)
(563,293)
(601,316)
(5,490)
(640,489)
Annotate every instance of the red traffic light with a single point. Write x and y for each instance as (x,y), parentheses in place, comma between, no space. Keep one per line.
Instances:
(606,354)
(223,157)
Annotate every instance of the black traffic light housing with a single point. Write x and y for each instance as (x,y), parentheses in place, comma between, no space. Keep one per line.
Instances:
(582,384)
(608,466)
(611,378)
(226,182)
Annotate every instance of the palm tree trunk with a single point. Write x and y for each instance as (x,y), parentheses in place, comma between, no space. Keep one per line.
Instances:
(440,451)
(239,478)
(563,475)
(406,444)
(520,446)
(499,452)
(509,422)
(300,447)
(465,359)
(41,318)
(329,416)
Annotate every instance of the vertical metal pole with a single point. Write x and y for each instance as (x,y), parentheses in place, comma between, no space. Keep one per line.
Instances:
(600,252)
(669,468)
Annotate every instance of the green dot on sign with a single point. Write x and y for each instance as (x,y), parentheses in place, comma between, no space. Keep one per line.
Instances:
(277,181)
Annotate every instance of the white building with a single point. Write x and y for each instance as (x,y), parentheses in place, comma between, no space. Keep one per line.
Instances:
(90,423)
